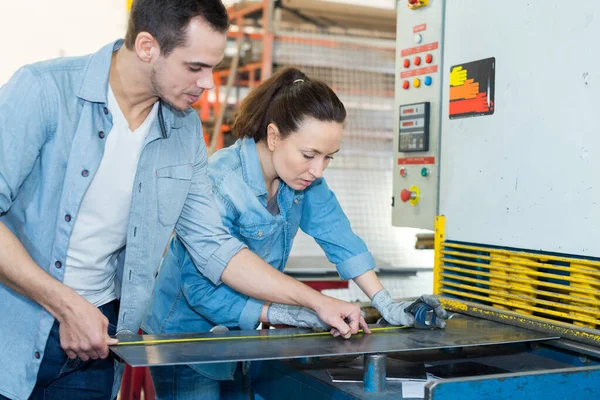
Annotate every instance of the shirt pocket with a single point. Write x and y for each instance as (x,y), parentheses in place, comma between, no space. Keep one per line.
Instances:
(173,185)
(260,237)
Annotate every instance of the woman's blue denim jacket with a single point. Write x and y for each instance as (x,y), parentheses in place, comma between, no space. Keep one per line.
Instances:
(186,301)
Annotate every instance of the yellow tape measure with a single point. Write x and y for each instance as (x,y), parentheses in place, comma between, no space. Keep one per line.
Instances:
(291,335)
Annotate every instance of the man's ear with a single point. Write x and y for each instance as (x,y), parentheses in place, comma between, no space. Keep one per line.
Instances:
(146,47)
(273,136)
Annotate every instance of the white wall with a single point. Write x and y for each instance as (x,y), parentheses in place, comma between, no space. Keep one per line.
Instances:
(389,4)
(33,30)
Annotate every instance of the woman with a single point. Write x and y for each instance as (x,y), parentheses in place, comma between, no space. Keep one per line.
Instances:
(267,185)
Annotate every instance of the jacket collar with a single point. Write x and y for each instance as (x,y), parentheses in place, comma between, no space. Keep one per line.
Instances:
(251,169)
(94,87)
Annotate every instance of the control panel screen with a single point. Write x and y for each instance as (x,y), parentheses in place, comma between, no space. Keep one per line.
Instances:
(414,127)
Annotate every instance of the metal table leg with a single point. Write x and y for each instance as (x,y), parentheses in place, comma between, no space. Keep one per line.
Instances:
(374,373)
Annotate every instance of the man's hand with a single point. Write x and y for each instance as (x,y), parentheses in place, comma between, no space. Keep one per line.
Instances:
(283,314)
(344,318)
(84,331)
(396,313)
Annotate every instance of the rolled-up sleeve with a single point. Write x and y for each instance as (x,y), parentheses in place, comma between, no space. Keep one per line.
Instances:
(250,314)
(24,115)
(219,304)
(324,220)
(220,258)
(200,228)
(356,266)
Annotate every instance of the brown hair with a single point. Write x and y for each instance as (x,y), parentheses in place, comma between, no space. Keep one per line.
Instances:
(167,21)
(286,99)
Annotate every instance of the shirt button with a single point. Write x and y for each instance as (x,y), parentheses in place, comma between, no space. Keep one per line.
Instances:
(37,354)
(101,134)
(58,264)
(105,111)
(259,233)
(68,217)
(85,173)
(295,201)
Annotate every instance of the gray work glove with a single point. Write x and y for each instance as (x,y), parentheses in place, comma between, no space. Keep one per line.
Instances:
(396,312)
(295,316)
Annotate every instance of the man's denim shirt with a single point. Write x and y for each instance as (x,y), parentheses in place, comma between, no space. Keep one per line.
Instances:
(185,301)
(53,126)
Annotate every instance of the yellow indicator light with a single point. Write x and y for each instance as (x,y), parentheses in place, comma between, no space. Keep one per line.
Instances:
(414,201)
(414,4)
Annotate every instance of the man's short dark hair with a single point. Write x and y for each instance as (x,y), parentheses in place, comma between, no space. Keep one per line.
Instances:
(167,20)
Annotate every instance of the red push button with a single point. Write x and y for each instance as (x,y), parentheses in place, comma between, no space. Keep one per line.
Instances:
(405,195)
(428,58)
(417,60)
(406,63)
(403,172)
(405,85)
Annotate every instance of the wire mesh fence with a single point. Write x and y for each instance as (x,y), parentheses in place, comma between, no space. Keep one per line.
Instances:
(361,72)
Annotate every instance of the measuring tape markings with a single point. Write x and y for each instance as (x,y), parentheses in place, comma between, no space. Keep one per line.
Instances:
(287,336)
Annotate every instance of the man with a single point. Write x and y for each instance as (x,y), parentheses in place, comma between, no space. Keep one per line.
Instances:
(101,158)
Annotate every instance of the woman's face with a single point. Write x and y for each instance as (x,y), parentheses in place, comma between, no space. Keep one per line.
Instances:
(302,157)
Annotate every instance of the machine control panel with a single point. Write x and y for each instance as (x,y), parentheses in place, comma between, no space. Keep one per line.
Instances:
(414,127)
(418,110)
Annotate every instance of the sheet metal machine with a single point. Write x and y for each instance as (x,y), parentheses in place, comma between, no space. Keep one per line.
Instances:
(497,151)
(497,142)
(496,138)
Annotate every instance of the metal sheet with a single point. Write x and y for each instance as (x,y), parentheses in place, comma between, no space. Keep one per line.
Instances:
(564,330)
(462,331)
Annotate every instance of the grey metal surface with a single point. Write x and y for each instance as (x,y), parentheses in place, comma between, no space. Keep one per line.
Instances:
(320,268)
(525,177)
(317,265)
(562,329)
(582,349)
(461,331)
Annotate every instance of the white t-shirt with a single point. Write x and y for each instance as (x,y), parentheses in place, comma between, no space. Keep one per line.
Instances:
(100,229)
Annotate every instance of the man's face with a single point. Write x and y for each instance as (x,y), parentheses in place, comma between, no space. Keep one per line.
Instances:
(180,78)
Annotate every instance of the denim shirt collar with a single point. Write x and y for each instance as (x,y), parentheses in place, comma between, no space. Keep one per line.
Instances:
(94,87)
(251,170)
